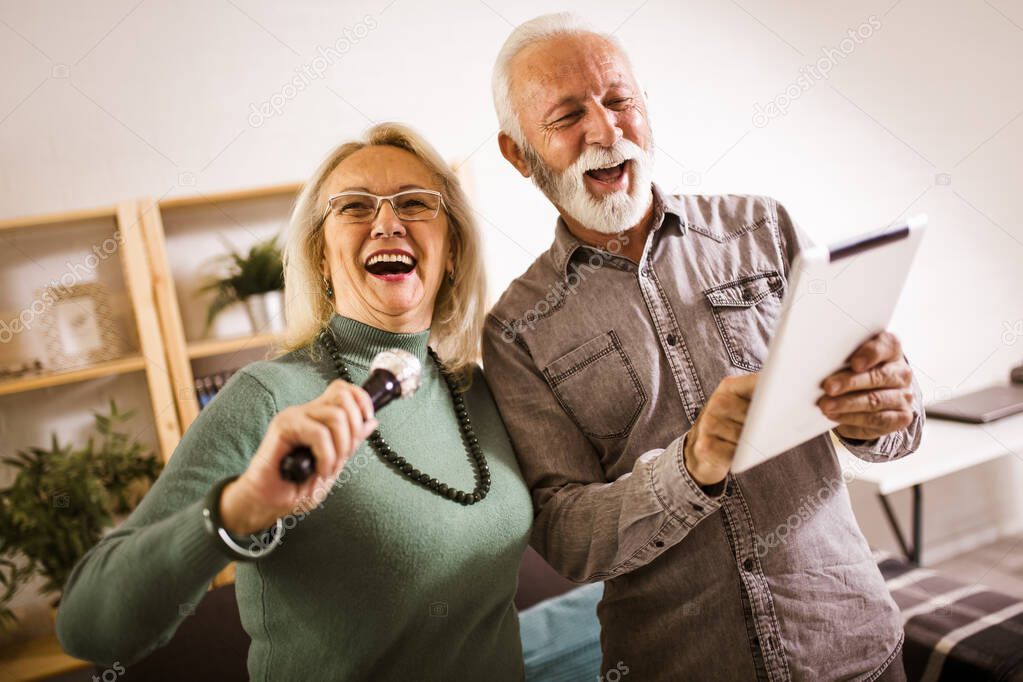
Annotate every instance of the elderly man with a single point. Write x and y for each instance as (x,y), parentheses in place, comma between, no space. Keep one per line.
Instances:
(623,362)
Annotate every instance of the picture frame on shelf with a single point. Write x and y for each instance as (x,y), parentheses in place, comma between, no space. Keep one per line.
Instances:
(78,327)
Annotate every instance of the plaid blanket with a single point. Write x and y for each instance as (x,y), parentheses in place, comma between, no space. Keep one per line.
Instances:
(955,630)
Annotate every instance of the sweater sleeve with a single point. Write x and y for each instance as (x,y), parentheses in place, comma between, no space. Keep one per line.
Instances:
(128,594)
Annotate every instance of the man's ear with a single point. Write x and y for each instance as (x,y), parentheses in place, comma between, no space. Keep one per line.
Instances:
(511,151)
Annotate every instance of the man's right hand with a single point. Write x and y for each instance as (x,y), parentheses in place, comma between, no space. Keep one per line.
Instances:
(710,444)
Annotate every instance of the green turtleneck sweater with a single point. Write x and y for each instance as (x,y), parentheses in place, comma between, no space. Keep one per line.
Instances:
(385,581)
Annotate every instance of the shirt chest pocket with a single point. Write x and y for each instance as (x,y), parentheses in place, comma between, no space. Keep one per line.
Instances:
(746,311)
(598,387)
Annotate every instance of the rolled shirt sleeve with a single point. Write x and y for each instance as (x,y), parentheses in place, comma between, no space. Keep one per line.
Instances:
(896,444)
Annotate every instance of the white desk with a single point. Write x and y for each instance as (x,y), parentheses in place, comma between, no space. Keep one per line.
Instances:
(946,448)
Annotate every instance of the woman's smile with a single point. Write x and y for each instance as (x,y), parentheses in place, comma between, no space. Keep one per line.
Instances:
(391,265)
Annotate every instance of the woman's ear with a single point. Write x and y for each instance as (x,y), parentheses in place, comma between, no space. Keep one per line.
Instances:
(328,280)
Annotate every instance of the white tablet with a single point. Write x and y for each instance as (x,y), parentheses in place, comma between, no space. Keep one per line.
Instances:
(838,297)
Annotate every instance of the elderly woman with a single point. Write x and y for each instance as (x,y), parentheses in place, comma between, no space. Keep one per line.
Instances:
(399,556)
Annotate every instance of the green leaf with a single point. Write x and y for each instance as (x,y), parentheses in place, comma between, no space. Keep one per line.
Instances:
(259,271)
(63,498)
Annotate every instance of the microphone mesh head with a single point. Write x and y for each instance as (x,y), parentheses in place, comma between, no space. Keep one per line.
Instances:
(403,365)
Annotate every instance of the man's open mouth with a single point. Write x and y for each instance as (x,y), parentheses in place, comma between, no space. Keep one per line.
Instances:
(390,263)
(609,175)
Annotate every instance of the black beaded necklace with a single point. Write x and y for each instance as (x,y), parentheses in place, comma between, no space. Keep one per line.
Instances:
(401,465)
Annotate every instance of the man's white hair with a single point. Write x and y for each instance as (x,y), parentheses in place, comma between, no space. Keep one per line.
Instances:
(533,31)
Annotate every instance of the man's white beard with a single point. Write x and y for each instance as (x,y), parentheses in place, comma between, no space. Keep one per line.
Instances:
(611,214)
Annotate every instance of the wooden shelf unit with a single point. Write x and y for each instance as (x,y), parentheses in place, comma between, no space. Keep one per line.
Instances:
(164,355)
(180,352)
(151,356)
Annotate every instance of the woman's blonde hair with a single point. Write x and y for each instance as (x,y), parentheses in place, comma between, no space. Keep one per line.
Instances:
(460,306)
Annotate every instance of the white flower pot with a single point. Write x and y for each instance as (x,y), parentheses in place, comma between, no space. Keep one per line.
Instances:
(266,312)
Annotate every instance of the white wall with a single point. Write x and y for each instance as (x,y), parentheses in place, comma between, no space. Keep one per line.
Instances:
(114,99)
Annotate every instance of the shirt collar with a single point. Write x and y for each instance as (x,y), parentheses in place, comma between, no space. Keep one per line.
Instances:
(566,244)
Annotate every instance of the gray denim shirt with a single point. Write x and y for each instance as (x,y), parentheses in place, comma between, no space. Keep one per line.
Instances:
(599,368)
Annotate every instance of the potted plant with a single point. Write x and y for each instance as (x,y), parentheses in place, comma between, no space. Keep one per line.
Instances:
(255,278)
(62,501)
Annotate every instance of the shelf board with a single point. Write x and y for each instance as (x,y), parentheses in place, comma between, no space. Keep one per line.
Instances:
(81,215)
(36,659)
(209,347)
(52,219)
(131,363)
(284,189)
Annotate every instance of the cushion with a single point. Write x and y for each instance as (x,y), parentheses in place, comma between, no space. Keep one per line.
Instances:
(561,636)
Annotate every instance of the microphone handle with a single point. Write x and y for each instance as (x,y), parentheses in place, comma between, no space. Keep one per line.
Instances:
(299,464)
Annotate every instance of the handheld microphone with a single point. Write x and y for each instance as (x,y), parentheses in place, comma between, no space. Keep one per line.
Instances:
(393,374)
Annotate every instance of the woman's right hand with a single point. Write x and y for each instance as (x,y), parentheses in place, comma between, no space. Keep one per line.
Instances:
(331,425)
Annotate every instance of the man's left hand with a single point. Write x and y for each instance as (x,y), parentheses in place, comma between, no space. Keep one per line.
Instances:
(874,396)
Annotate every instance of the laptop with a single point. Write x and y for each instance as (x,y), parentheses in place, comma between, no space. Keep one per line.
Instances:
(980,407)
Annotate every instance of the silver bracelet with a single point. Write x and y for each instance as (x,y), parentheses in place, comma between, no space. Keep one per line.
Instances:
(227,543)
(251,554)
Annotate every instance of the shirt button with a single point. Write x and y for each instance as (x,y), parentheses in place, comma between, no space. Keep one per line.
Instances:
(645,271)
(671,339)
(748,565)
(658,543)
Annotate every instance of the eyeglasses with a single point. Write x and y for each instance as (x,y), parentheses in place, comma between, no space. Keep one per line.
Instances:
(362,207)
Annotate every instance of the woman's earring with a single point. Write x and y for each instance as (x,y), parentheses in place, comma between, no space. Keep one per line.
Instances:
(329,287)
(451,276)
